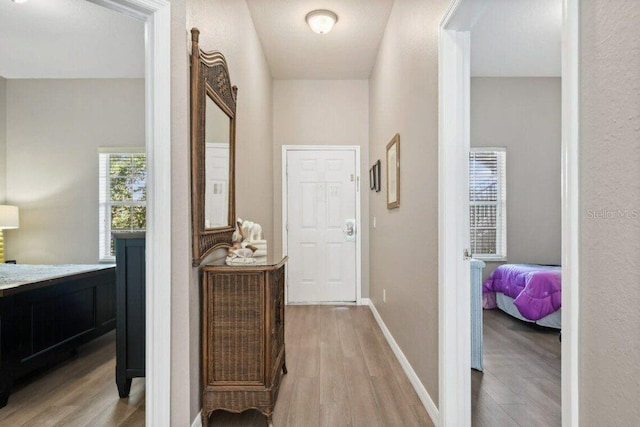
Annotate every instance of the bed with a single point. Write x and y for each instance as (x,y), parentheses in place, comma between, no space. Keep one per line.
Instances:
(47,311)
(529,292)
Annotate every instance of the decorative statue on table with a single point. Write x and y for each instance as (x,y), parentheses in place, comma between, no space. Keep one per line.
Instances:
(249,246)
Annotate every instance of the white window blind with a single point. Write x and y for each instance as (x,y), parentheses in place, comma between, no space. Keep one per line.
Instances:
(488,203)
(122,196)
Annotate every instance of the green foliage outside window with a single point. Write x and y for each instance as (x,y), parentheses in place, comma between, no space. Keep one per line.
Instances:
(127,193)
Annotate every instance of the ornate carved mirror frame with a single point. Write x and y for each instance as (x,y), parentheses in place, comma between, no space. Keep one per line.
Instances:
(209,78)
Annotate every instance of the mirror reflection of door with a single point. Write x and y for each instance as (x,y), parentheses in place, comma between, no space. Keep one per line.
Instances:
(217,184)
(217,134)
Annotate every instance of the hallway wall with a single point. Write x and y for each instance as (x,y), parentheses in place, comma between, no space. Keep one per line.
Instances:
(610,213)
(403,93)
(183,306)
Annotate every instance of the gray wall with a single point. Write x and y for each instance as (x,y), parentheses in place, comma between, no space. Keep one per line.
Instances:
(523,114)
(403,94)
(183,306)
(322,112)
(3,139)
(610,187)
(54,129)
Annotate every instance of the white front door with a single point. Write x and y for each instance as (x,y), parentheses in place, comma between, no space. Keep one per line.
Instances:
(321,203)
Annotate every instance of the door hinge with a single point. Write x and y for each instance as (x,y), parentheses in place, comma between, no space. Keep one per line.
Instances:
(358,184)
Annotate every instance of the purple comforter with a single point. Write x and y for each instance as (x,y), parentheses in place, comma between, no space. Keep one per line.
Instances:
(535,289)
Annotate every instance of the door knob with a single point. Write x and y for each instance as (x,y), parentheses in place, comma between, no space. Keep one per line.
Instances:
(350,229)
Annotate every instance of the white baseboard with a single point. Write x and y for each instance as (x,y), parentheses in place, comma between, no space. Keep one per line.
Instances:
(424,396)
(197,422)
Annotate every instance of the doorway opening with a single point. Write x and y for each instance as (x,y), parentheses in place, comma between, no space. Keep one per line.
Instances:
(454,269)
(156,15)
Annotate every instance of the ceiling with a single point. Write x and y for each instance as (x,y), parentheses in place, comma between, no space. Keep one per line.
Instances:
(78,39)
(517,38)
(68,39)
(293,51)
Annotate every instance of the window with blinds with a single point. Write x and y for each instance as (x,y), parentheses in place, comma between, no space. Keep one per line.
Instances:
(123,196)
(488,203)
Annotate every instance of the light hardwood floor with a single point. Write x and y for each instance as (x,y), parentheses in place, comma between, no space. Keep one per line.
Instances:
(520,385)
(78,392)
(341,373)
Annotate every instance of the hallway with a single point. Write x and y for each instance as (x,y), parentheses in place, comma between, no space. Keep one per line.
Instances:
(342,372)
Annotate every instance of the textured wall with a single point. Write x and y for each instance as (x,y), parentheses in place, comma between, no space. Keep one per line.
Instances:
(403,94)
(523,115)
(184,291)
(322,112)
(610,213)
(54,129)
(3,139)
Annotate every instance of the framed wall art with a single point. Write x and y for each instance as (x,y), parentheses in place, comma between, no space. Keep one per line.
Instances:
(393,172)
(375,182)
(372,178)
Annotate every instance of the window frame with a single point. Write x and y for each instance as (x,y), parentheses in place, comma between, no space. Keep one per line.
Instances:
(500,203)
(104,204)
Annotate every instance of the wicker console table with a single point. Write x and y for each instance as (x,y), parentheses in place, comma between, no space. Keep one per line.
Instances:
(243,353)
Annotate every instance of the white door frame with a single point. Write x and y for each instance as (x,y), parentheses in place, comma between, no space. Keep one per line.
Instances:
(454,133)
(285,210)
(156,14)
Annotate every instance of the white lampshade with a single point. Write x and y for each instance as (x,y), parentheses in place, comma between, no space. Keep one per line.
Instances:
(9,217)
(321,21)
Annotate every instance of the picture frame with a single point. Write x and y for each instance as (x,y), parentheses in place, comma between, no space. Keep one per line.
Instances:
(393,172)
(375,183)
(372,178)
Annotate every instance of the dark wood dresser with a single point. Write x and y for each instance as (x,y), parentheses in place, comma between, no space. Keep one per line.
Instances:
(243,352)
(130,309)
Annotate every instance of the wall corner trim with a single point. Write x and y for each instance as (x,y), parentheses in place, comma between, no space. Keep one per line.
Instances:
(423,394)
(197,422)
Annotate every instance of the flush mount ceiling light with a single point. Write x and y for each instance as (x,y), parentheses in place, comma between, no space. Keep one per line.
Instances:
(19,1)
(321,21)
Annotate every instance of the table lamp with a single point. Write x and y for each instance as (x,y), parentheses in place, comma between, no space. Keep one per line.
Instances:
(9,218)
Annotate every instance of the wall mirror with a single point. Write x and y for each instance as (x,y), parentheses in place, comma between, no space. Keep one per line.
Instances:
(213,123)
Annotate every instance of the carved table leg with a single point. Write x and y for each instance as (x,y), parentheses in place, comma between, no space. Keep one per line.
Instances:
(284,363)
(269,420)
